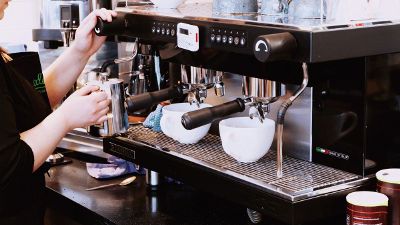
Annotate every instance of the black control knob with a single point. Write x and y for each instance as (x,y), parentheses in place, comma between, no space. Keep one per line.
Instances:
(116,27)
(274,46)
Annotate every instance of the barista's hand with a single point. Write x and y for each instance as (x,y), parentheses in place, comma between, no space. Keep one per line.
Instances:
(85,107)
(86,41)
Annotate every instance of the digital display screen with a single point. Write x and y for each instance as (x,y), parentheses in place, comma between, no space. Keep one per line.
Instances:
(65,13)
(184,31)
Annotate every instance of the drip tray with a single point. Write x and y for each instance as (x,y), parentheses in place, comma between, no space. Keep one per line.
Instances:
(301,178)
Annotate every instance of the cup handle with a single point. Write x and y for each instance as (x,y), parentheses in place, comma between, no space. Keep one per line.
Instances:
(352,117)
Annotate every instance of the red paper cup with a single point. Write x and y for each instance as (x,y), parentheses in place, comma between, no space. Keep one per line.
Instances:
(366,207)
(389,184)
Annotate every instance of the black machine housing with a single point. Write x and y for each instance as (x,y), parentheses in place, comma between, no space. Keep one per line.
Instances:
(354,83)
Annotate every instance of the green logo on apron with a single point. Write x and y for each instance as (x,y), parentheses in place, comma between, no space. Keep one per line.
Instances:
(38,83)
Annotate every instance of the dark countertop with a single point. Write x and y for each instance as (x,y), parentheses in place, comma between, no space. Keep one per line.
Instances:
(136,204)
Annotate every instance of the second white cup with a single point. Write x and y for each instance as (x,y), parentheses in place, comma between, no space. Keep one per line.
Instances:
(246,140)
(171,124)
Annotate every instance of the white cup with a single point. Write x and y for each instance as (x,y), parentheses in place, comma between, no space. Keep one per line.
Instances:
(171,124)
(246,140)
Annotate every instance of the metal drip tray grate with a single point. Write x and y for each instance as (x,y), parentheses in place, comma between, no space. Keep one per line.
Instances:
(299,176)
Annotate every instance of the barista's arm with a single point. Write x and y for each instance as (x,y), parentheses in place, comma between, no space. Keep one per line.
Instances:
(85,107)
(62,74)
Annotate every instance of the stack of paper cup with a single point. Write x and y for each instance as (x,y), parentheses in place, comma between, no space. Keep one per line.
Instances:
(389,184)
(366,207)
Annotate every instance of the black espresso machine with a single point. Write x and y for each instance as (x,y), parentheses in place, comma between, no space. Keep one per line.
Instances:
(337,118)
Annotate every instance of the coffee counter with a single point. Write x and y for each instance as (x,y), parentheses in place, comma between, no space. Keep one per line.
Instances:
(135,204)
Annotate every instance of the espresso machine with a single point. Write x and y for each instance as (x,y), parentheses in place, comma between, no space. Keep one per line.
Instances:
(59,20)
(330,85)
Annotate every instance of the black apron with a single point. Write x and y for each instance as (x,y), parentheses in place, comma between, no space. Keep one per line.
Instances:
(27,82)
(27,64)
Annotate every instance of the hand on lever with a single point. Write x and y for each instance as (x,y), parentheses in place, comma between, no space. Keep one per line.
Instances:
(85,107)
(86,42)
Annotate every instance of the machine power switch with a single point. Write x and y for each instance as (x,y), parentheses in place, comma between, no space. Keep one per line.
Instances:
(274,46)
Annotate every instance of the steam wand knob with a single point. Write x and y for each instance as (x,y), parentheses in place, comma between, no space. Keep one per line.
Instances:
(274,46)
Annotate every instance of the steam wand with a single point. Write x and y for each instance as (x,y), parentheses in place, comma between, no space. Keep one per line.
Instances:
(281,118)
(108,63)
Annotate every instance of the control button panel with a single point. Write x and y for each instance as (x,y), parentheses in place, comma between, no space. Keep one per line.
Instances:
(227,37)
(163,29)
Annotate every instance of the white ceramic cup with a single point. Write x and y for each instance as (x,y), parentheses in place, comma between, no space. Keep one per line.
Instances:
(246,140)
(171,124)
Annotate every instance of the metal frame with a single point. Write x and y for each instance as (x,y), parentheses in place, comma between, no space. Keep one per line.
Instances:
(234,187)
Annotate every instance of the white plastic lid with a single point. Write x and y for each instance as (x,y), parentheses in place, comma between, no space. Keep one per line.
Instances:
(367,199)
(391,176)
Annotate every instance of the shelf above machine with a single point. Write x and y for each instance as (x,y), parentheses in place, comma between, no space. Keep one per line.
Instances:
(318,40)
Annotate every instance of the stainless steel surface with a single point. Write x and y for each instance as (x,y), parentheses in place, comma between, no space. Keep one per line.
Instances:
(68,35)
(199,77)
(197,80)
(130,57)
(301,179)
(279,151)
(152,178)
(234,6)
(264,91)
(50,11)
(63,16)
(79,140)
(143,63)
(204,11)
(117,117)
(259,94)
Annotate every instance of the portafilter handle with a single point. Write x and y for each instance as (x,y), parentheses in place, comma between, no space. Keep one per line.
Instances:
(198,118)
(145,100)
(118,26)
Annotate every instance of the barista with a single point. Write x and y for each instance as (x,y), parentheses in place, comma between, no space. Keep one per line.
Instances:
(29,130)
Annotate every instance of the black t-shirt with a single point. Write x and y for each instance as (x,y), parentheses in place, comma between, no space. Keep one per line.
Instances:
(23,105)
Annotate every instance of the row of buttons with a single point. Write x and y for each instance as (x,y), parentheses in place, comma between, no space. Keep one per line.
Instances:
(160,28)
(230,37)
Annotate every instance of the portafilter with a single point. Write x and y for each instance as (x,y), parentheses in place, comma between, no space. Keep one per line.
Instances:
(194,83)
(257,94)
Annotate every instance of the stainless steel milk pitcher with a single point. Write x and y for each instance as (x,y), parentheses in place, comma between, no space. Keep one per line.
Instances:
(117,116)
